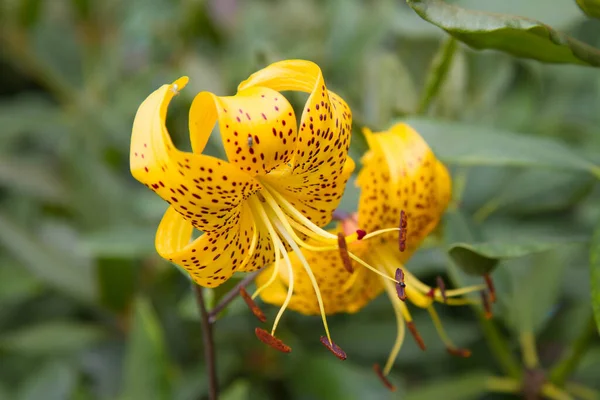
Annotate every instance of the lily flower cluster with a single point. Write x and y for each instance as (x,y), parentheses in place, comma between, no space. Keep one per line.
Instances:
(266,206)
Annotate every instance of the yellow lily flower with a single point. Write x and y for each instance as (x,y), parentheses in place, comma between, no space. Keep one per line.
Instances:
(401,180)
(281,183)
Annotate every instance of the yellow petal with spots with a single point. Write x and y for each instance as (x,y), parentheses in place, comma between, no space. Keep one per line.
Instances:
(213,257)
(206,191)
(320,167)
(340,290)
(257,125)
(401,173)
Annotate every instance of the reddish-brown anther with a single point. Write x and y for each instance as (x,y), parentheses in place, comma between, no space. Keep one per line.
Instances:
(271,340)
(403,230)
(458,352)
(491,288)
(400,285)
(252,305)
(383,378)
(343,247)
(442,287)
(334,348)
(487,307)
(413,330)
(360,234)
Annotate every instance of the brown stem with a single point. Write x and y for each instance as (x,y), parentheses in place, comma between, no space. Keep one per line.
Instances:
(228,298)
(209,346)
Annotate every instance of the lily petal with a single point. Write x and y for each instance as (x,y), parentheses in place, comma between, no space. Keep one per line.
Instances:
(323,140)
(206,191)
(212,258)
(402,173)
(257,125)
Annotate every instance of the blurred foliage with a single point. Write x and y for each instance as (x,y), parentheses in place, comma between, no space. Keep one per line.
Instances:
(89,311)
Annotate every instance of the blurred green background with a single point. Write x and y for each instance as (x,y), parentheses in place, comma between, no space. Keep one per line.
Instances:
(89,311)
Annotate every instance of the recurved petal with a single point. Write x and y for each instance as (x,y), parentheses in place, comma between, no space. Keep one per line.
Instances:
(401,173)
(213,257)
(206,191)
(340,290)
(320,166)
(257,125)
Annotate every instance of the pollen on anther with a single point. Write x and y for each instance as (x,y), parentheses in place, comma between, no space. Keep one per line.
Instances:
(258,313)
(458,352)
(487,308)
(271,340)
(403,230)
(490,284)
(334,348)
(400,285)
(360,234)
(383,378)
(413,330)
(343,247)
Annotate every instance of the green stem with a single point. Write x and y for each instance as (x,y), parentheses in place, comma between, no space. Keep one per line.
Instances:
(438,72)
(503,385)
(499,347)
(571,358)
(529,350)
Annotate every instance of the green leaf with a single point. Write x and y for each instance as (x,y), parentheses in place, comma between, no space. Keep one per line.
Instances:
(469,145)
(55,381)
(522,37)
(117,280)
(146,364)
(121,242)
(52,338)
(32,178)
(595,274)
(482,258)
(590,7)
(469,386)
(48,264)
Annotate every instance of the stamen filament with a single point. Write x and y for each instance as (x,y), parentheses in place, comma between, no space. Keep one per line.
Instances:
(290,291)
(444,336)
(309,272)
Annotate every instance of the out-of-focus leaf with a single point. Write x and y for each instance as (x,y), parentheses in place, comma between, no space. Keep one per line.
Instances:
(16,283)
(469,386)
(519,36)
(146,363)
(438,70)
(590,7)
(29,12)
(121,242)
(32,178)
(55,381)
(595,274)
(52,338)
(470,145)
(482,258)
(117,281)
(238,390)
(48,265)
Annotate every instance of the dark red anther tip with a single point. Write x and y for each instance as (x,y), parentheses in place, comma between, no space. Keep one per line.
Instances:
(334,348)
(343,247)
(402,234)
(383,378)
(413,330)
(271,340)
(252,305)
(360,234)
(491,288)
(442,286)
(400,285)
(487,307)
(458,352)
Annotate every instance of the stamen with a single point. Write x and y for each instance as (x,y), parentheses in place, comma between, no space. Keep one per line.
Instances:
(343,247)
(400,285)
(252,305)
(271,340)
(458,352)
(290,291)
(334,348)
(403,230)
(490,286)
(487,308)
(450,347)
(413,330)
(383,378)
(360,234)
(442,287)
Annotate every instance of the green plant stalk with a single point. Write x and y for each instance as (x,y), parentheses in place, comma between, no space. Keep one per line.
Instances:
(528,349)
(571,358)
(438,72)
